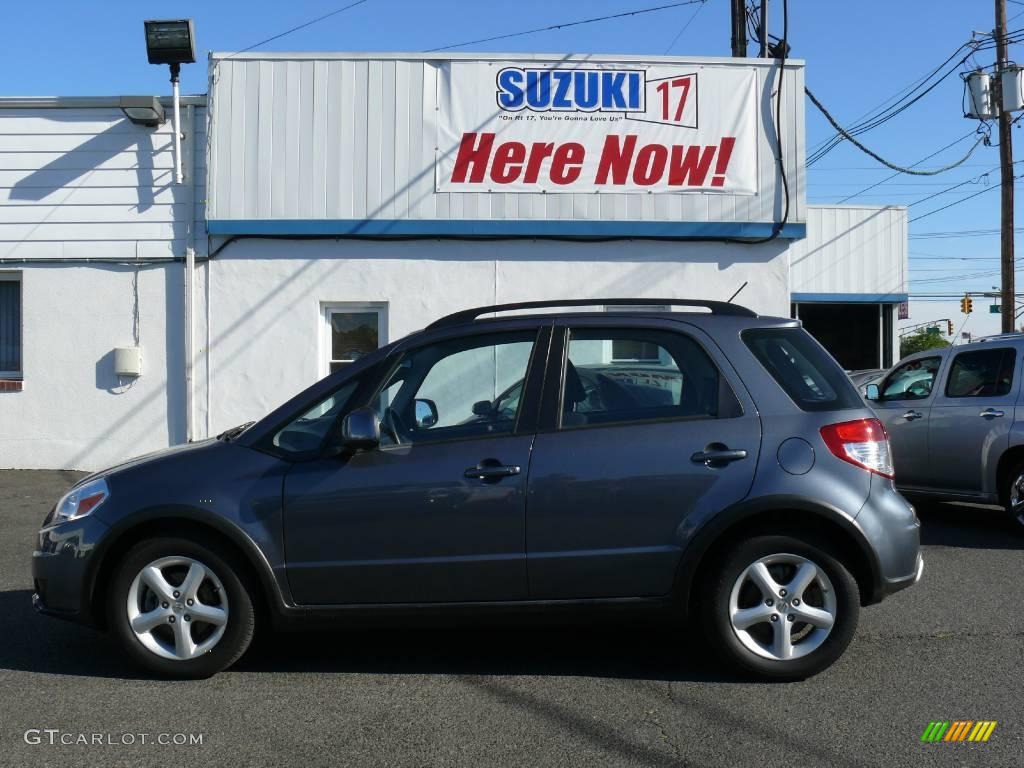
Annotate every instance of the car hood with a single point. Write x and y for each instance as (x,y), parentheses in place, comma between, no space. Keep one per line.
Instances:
(152,458)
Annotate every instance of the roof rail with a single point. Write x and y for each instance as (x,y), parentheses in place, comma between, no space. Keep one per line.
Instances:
(716,307)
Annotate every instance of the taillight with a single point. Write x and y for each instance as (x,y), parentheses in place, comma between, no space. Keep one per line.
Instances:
(862,442)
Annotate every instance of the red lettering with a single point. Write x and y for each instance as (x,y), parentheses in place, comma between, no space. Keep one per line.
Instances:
(538,153)
(650,164)
(691,169)
(472,158)
(508,162)
(567,164)
(616,158)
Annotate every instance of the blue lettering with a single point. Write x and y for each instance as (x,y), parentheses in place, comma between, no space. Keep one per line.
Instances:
(634,90)
(538,89)
(586,91)
(510,90)
(563,80)
(612,96)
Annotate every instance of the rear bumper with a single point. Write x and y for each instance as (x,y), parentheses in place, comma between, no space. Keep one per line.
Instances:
(891,527)
(891,586)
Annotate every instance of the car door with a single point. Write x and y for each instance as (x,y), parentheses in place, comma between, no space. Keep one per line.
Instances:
(629,409)
(436,513)
(904,406)
(971,418)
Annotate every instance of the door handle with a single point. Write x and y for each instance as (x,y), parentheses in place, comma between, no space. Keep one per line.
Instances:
(911,415)
(489,469)
(991,413)
(718,457)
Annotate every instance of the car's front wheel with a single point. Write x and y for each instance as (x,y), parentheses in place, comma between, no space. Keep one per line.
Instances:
(780,607)
(1013,496)
(180,608)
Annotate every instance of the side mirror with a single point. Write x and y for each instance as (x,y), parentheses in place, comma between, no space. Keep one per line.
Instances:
(483,408)
(361,429)
(871,392)
(426,414)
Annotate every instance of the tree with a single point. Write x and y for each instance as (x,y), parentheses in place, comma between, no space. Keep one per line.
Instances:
(921,340)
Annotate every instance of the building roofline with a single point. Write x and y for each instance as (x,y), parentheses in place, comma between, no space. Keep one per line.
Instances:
(217,56)
(86,102)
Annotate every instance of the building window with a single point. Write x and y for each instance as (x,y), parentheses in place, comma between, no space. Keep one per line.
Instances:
(352,331)
(630,350)
(10,325)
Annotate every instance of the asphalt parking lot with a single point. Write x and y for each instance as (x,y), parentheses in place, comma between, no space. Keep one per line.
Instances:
(950,648)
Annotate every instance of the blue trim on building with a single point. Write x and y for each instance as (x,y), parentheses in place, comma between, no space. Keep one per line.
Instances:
(848,298)
(498,228)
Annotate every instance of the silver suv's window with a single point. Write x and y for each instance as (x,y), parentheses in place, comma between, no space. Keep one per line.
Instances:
(911,381)
(811,378)
(984,373)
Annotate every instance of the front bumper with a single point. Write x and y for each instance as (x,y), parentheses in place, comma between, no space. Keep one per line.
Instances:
(61,568)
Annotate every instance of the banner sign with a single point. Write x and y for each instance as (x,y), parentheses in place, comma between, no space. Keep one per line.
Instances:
(583,127)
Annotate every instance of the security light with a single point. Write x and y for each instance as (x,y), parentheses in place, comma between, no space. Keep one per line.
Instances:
(143,110)
(170,41)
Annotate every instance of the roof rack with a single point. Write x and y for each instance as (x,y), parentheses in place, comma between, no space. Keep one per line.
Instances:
(716,307)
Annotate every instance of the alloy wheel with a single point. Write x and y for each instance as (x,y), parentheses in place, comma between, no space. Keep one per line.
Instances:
(177,608)
(782,607)
(1017,500)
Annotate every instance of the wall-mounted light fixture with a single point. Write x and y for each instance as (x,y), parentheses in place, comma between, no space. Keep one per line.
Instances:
(143,110)
(172,42)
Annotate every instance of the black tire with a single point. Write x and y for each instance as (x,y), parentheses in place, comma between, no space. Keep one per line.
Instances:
(714,609)
(1015,516)
(238,630)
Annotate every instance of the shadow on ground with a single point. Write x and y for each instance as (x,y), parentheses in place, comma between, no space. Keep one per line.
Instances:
(643,649)
(966,525)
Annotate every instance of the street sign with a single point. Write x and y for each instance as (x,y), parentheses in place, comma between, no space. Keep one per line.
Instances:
(993,309)
(903,313)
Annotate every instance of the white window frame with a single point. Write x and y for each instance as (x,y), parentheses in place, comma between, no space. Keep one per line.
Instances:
(16,277)
(328,308)
(608,353)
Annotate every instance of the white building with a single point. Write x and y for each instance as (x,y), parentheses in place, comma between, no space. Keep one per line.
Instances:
(333,202)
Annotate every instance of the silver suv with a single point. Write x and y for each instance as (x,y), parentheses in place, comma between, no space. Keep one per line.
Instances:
(955,422)
(708,464)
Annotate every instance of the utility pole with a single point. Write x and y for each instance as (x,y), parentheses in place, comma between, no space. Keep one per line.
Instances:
(739,28)
(1006,176)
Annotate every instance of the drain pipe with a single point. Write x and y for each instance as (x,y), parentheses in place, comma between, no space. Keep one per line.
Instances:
(187,186)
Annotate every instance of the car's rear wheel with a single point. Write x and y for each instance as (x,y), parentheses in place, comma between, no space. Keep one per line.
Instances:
(780,607)
(180,608)
(1013,496)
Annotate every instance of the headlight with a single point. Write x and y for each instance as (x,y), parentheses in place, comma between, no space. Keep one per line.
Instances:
(81,501)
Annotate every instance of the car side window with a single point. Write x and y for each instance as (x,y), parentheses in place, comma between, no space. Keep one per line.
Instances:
(981,373)
(911,381)
(307,432)
(673,379)
(455,389)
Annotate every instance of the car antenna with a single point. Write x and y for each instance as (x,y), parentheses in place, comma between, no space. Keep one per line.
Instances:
(729,301)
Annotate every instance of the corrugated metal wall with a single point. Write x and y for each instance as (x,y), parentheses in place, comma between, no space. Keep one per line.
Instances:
(342,136)
(83,183)
(851,250)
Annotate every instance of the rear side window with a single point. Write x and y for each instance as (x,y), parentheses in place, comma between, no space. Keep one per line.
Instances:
(618,376)
(985,373)
(811,378)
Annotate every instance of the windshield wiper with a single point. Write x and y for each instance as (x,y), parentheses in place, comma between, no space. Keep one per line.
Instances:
(230,434)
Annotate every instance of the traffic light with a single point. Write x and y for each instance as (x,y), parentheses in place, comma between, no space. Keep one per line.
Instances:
(949,327)
(966,305)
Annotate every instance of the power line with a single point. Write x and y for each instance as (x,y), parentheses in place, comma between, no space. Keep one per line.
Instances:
(565,25)
(955,202)
(898,173)
(317,20)
(849,137)
(686,26)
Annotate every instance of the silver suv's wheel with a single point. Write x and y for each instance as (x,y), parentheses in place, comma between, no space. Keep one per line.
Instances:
(1015,497)
(780,606)
(180,607)
(177,607)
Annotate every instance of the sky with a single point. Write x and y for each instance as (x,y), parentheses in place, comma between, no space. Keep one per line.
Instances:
(858,55)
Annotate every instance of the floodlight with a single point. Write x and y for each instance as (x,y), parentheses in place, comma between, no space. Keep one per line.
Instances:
(143,110)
